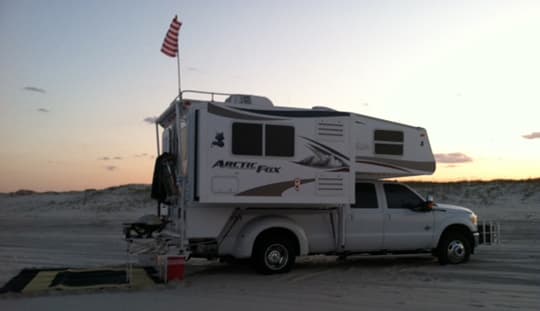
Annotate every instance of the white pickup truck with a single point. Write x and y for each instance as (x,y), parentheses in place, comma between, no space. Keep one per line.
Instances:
(388,218)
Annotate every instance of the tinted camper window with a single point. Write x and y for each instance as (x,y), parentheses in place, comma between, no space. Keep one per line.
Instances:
(247,139)
(279,140)
(388,149)
(395,136)
(388,142)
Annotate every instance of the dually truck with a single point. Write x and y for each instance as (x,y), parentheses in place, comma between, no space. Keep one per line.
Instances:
(243,178)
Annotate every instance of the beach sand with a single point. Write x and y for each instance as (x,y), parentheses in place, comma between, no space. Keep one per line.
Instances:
(83,229)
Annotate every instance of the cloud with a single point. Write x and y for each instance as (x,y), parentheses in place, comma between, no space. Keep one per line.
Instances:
(111,167)
(34,89)
(150,120)
(110,158)
(43,110)
(452,158)
(532,135)
(141,155)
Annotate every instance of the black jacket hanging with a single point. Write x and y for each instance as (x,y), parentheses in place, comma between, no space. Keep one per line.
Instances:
(164,179)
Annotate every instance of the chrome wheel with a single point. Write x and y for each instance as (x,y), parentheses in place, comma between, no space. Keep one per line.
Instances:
(454,248)
(456,251)
(274,253)
(276,256)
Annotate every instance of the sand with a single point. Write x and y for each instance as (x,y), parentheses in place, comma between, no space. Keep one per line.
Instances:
(83,229)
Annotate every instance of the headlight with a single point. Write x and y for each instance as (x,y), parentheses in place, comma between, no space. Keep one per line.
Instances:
(474,219)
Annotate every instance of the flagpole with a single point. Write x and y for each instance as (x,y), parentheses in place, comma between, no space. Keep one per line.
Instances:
(178,67)
(180,179)
(179,113)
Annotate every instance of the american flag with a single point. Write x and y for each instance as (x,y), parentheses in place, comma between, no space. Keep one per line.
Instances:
(170,44)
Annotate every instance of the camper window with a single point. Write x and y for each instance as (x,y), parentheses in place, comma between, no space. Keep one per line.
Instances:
(395,136)
(388,142)
(279,140)
(366,196)
(247,139)
(388,149)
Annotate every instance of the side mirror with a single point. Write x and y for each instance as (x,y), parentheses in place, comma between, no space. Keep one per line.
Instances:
(430,202)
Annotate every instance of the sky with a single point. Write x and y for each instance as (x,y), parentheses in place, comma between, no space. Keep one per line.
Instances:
(79,78)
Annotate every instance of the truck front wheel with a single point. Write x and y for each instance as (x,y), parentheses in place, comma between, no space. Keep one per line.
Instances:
(273,255)
(454,248)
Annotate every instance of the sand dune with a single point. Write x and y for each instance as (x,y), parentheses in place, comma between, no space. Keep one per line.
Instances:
(82,229)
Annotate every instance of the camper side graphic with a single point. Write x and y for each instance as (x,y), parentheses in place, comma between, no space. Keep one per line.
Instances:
(246,165)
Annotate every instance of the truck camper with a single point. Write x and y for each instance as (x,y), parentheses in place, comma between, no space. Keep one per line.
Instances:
(243,178)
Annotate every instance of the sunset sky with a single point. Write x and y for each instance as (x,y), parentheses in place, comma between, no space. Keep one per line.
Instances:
(78,78)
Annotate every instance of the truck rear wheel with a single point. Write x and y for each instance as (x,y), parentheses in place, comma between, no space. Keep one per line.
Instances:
(273,255)
(454,248)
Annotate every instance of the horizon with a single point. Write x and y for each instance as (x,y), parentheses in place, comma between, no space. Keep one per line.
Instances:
(80,81)
(400,180)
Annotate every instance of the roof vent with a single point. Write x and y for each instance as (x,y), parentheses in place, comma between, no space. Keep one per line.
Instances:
(253,100)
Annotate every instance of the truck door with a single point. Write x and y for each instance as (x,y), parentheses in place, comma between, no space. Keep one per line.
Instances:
(405,226)
(364,229)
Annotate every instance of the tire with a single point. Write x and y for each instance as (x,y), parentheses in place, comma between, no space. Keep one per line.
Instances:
(273,255)
(454,248)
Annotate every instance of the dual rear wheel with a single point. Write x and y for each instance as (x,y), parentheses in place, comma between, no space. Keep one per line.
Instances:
(274,254)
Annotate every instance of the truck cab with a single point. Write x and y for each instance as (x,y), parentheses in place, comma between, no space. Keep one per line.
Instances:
(392,217)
